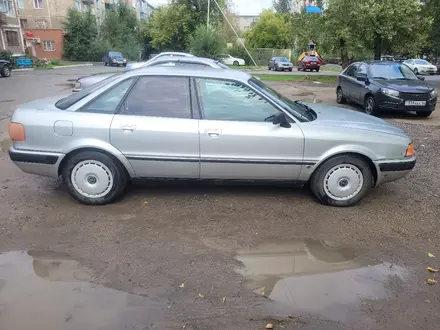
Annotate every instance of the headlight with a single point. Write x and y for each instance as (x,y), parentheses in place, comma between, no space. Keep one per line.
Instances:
(390,92)
(433,93)
(113,60)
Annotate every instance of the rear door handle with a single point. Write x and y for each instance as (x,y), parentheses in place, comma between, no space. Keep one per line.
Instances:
(213,132)
(128,128)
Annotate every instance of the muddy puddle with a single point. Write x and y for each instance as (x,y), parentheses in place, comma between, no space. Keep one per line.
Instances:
(52,291)
(318,279)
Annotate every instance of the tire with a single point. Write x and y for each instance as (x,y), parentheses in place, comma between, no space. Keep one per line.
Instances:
(290,70)
(342,181)
(235,63)
(94,167)
(105,63)
(317,70)
(370,107)
(269,68)
(340,96)
(5,71)
(423,114)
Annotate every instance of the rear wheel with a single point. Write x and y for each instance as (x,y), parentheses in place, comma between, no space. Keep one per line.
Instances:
(317,70)
(5,71)
(370,107)
(269,68)
(424,114)
(94,178)
(340,96)
(236,63)
(341,181)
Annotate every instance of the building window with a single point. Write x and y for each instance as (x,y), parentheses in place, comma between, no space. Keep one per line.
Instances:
(20,4)
(97,4)
(6,7)
(48,45)
(133,3)
(23,23)
(38,4)
(12,38)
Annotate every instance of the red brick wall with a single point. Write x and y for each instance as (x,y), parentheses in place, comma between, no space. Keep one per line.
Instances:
(55,35)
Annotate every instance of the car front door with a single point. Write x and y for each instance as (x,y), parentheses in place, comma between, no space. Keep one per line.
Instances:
(238,139)
(360,87)
(155,129)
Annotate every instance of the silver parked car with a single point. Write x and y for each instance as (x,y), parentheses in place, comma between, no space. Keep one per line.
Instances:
(137,65)
(161,122)
(174,61)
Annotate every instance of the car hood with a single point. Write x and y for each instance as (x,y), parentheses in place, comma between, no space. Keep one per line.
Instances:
(411,86)
(332,116)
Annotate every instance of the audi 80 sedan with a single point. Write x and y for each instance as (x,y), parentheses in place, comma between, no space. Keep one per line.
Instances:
(206,124)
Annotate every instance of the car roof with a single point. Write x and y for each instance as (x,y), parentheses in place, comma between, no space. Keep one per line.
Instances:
(175,54)
(207,72)
(187,59)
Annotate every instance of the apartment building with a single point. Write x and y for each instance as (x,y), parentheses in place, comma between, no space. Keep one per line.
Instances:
(245,22)
(10,30)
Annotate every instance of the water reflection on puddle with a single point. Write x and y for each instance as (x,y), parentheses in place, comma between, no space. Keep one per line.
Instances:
(51,291)
(316,278)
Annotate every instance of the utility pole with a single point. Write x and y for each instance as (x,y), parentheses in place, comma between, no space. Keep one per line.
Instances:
(207,19)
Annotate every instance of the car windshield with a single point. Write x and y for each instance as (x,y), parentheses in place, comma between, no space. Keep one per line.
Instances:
(423,62)
(281,59)
(391,71)
(116,55)
(310,59)
(70,100)
(299,111)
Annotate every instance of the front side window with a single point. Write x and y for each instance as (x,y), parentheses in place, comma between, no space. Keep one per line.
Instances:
(422,62)
(362,71)
(351,70)
(154,96)
(233,101)
(108,101)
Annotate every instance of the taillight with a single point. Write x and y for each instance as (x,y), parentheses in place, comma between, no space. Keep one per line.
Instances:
(410,152)
(308,62)
(16,132)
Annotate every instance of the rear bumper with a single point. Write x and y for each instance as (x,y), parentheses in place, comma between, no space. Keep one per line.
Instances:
(389,170)
(36,162)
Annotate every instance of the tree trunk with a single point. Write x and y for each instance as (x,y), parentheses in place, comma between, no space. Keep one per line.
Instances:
(344,54)
(377,47)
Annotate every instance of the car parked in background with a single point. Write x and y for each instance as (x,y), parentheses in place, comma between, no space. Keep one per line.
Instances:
(137,65)
(385,86)
(420,66)
(211,124)
(230,60)
(5,68)
(309,63)
(279,63)
(169,60)
(114,58)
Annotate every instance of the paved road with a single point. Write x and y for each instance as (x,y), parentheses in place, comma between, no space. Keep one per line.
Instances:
(198,256)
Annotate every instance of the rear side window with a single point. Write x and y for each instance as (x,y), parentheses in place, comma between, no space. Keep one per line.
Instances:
(154,96)
(351,70)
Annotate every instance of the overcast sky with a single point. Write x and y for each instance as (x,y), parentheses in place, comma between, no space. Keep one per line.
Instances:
(242,7)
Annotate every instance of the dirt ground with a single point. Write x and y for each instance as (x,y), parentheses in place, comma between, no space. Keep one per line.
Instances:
(199,256)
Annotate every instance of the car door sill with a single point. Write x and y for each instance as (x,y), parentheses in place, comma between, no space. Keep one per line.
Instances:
(291,183)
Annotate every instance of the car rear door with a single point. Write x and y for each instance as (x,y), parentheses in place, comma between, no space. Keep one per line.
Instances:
(348,81)
(236,142)
(155,129)
(360,87)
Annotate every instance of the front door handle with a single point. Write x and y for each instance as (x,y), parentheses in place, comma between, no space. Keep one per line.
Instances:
(128,128)
(213,132)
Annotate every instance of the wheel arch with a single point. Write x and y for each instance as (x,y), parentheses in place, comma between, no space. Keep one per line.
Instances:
(115,156)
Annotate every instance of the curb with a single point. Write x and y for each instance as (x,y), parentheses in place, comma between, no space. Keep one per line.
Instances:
(22,70)
(72,66)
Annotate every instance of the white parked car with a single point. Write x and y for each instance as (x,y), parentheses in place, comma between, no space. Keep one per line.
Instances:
(420,66)
(230,60)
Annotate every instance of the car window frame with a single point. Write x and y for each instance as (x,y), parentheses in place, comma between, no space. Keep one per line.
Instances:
(268,100)
(358,68)
(108,90)
(353,65)
(122,106)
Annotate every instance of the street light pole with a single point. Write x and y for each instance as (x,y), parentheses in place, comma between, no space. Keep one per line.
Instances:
(207,19)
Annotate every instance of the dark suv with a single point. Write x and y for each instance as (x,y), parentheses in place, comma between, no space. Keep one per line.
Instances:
(5,68)
(114,58)
(385,86)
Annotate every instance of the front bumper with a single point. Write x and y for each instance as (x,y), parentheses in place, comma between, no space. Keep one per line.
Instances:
(36,162)
(392,170)
(398,104)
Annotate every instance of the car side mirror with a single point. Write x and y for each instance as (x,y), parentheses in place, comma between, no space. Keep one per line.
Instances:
(281,119)
(361,78)
(421,78)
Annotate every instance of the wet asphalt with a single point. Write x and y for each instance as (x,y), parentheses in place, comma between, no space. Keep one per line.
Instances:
(198,256)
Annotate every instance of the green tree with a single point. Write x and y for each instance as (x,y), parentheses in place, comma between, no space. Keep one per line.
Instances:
(121,31)
(206,42)
(81,33)
(282,6)
(169,28)
(198,10)
(271,30)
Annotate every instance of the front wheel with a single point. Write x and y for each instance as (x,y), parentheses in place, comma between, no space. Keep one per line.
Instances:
(370,106)
(94,178)
(317,70)
(341,181)
(236,63)
(340,96)
(5,71)
(423,114)
(269,68)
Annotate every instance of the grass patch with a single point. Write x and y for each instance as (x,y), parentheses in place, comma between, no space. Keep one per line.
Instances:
(331,69)
(297,78)
(247,67)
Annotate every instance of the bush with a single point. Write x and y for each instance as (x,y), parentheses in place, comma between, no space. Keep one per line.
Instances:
(8,57)
(55,62)
(206,42)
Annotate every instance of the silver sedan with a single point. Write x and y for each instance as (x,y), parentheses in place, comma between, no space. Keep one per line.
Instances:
(160,60)
(209,124)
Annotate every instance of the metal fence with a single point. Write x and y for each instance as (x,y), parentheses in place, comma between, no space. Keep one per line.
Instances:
(263,55)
